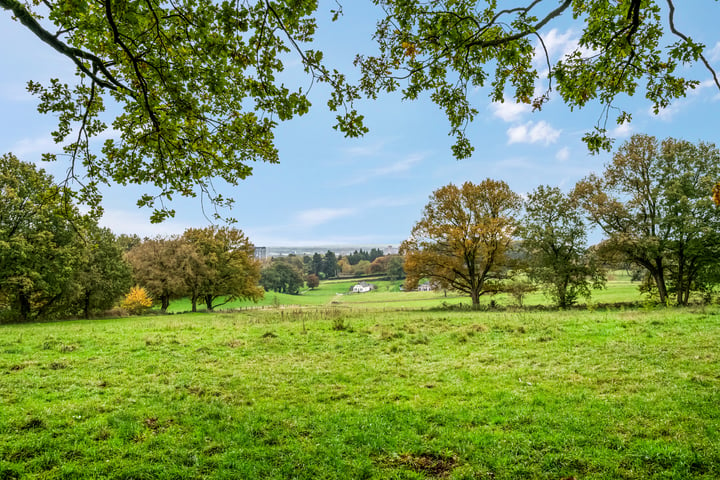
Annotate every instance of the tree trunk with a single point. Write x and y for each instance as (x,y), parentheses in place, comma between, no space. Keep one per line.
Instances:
(165,303)
(680,281)
(208,302)
(24,303)
(86,306)
(193,299)
(659,276)
(475,296)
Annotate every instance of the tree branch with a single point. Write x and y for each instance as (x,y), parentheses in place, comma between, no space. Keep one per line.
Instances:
(671,20)
(74,54)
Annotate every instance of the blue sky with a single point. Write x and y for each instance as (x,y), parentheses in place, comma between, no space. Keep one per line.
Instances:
(329,190)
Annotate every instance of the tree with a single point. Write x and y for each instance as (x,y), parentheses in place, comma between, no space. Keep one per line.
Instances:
(461,241)
(330,264)
(652,202)
(158,266)
(312,281)
(190,78)
(282,275)
(226,268)
(39,245)
(686,174)
(450,48)
(554,238)
(395,269)
(316,264)
(102,275)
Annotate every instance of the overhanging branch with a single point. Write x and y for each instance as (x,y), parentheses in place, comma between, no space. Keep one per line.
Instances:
(74,54)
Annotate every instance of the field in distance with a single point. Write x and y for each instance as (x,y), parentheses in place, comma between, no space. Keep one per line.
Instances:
(388,295)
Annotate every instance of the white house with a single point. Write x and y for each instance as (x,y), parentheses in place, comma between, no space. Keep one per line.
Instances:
(425,287)
(362,287)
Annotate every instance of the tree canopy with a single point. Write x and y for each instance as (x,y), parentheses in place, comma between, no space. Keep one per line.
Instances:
(653,204)
(554,237)
(462,239)
(198,82)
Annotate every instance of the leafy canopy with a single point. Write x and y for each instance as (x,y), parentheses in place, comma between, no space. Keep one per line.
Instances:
(461,241)
(197,81)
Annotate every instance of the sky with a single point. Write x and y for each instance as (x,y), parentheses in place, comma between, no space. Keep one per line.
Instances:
(334,191)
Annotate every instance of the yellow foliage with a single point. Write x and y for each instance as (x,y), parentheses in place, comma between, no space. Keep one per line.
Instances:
(716,194)
(137,300)
(410,49)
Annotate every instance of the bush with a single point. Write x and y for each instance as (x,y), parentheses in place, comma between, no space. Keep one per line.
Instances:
(137,301)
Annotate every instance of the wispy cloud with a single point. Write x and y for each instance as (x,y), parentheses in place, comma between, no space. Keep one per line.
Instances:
(390,169)
(714,53)
(563,154)
(26,147)
(369,150)
(319,216)
(531,132)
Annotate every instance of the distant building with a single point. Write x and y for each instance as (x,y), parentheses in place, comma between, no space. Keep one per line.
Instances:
(390,250)
(261,253)
(362,287)
(426,287)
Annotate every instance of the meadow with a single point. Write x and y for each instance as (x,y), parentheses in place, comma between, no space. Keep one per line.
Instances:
(389,296)
(341,391)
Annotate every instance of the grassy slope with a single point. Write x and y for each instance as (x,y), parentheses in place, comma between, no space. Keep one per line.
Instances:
(280,394)
(388,295)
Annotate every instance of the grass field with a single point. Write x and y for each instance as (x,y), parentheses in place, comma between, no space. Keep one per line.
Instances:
(348,393)
(388,294)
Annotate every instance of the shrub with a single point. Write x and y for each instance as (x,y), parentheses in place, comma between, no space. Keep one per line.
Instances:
(137,301)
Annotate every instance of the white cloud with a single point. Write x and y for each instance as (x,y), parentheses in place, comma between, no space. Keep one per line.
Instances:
(563,154)
(714,53)
(557,45)
(622,131)
(509,111)
(530,132)
(666,114)
(318,216)
(26,147)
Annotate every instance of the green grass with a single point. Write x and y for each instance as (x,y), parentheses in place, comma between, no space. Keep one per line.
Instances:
(349,393)
(389,295)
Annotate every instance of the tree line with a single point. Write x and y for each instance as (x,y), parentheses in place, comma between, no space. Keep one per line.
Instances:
(652,203)
(56,262)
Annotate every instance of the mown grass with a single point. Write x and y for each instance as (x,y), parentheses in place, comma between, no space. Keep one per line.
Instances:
(337,393)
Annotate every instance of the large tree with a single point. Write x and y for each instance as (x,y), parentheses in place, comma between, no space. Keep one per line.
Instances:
(160,264)
(554,240)
(102,274)
(653,204)
(39,244)
(226,267)
(199,92)
(462,239)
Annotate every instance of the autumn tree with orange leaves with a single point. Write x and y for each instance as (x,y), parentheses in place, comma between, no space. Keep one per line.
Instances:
(462,239)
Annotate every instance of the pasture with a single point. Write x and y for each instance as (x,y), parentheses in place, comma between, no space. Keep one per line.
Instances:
(350,392)
(389,296)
